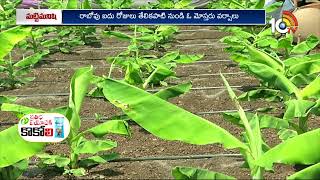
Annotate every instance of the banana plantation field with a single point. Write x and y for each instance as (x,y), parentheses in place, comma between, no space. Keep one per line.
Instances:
(142,154)
(161,102)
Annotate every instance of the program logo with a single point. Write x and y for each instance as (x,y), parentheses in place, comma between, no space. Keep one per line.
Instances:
(288,23)
(44,127)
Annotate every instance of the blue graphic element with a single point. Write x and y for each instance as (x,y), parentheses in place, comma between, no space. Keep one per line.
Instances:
(156,17)
(59,129)
(282,25)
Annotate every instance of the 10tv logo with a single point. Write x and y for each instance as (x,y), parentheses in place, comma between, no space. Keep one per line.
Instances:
(288,23)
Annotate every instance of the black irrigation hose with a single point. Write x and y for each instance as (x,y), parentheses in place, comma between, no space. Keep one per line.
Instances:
(104,67)
(103,59)
(151,90)
(104,118)
(100,59)
(214,74)
(131,33)
(192,75)
(125,47)
(168,158)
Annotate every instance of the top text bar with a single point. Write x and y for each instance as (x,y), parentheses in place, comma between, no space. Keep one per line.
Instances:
(141,17)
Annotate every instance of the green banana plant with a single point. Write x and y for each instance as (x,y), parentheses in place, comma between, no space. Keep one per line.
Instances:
(8,13)
(301,149)
(15,72)
(13,153)
(294,82)
(263,39)
(77,141)
(142,69)
(82,32)
(9,38)
(147,110)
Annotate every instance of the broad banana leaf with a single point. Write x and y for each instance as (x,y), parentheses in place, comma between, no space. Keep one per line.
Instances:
(110,127)
(266,94)
(310,43)
(13,148)
(94,146)
(258,56)
(312,90)
(270,76)
(301,149)
(78,90)
(29,61)
(297,108)
(164,119)
(306,68)
(301,80)
(19,110)
(265,121)
(10,37)
(119,35)
(252,135)
(174,91)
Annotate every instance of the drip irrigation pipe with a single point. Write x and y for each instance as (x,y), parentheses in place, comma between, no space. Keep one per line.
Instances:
(104,67)
(214,74)
(183,76)
(85,60)
(206,156)
(104,118)
(131,33)
(103,59)
(166,158)
(125,47)
(151,90)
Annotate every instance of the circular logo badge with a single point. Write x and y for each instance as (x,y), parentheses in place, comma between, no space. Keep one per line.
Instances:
(44,127)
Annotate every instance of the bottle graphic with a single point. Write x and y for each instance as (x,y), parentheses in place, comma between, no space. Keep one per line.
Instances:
(59,130)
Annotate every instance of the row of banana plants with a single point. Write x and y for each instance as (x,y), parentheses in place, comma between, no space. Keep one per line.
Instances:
(14,72)
(39,43)
(143,63)
(89,141)
(148,110)
(142,70)
(288,74)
